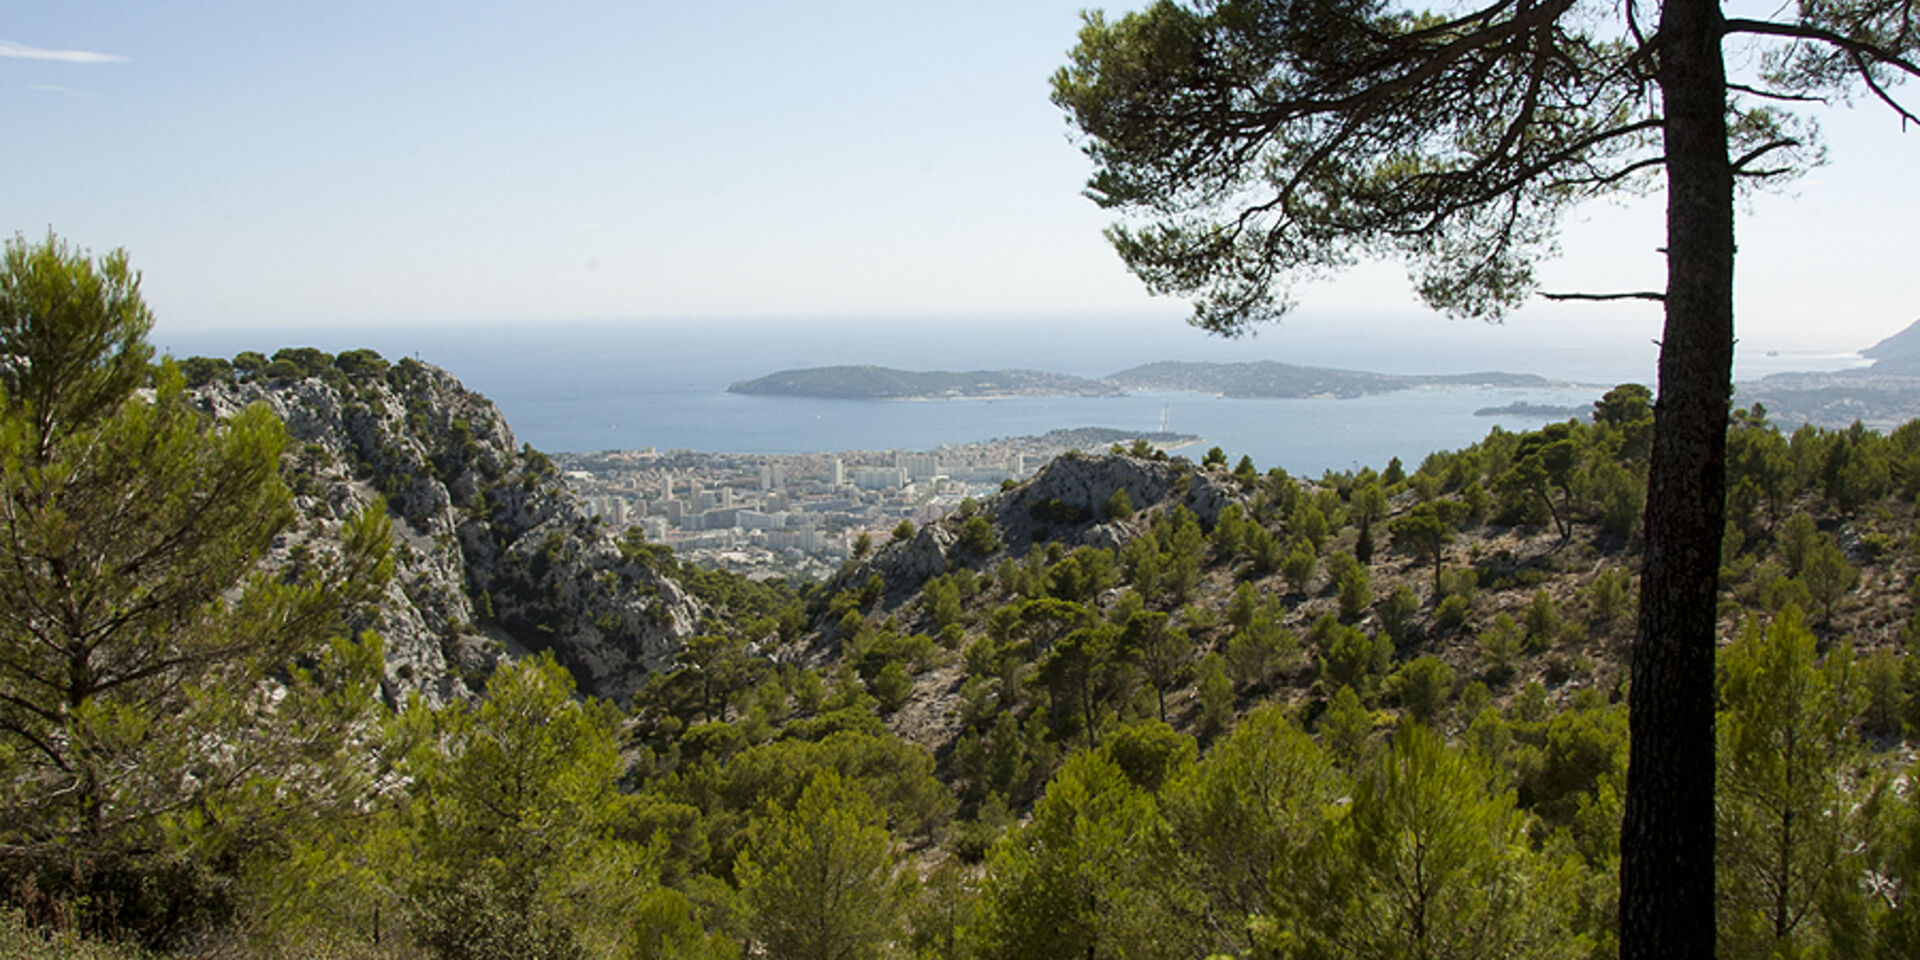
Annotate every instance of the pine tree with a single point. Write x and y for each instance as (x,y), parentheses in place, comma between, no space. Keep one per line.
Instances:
(818,880)
(1790,824)
(156,687)
(1428,862)
(1080,880)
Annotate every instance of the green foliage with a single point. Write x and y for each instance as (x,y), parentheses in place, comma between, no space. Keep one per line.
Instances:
(1346,726)
(720,668)
(73,337)
(1242,819)
(1355,594)
(1246,472)
(1164,652)
(1857,470)
(1084,670)
(903,531)
(1266,551)
(1394,474)
(1349,657)
(1396,612)
(818,879)
(892,686)
(1453,612)
(1789,839)
(1625,418)
(201,371)
(1119,505)
(1150,753)
(141,653)
(1422,686)
(1428,862)
(942,598)
(1070,882)
(1828,576)
(1541,620)
(514,806)
(1216,695)
(1299,566)
(1057,511)
(1259,652)
(361,364)
(1500,648)
(1229,531)
(1798,540)
(1585,751)
(22,940)
(1424,533)
(1886,693)
(1309,522)
(978,537)
(1607,596)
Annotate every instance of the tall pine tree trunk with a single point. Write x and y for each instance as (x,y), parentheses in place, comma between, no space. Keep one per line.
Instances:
(1666,843)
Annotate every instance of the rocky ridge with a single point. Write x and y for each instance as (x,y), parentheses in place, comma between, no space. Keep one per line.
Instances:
(493,556)
(1065,503)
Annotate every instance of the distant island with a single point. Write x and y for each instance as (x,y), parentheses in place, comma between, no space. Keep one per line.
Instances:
(1521,408)
(1263,379)
(884,383)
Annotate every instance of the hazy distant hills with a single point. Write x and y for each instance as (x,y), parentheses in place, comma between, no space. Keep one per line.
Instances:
(1902,348)
(1253,379)
(1267,378)
(1882,395)
(1896,355)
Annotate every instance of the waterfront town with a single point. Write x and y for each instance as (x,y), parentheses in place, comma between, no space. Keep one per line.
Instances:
(798,515)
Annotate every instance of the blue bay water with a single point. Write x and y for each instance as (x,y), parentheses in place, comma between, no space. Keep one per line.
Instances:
(1302,435)
(599,385)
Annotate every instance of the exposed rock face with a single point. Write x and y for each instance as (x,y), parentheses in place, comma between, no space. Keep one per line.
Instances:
(493,556)
(1065,502)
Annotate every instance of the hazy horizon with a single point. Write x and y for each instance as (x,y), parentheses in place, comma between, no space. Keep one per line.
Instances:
(368,164)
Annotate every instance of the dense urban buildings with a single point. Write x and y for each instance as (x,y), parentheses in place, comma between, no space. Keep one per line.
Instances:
(799,514)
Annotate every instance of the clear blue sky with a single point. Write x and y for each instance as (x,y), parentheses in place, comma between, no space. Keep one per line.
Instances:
(311,165)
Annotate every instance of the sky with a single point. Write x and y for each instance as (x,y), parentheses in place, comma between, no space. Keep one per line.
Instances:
(319,167)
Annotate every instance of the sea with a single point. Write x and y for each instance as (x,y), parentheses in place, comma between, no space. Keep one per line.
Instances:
(592,385)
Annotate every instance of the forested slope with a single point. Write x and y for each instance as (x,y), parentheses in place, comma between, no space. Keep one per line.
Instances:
(1135,706)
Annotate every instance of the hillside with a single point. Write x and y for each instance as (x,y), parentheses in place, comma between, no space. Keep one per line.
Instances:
(1212,710)
(494,558)
(1515,603)
(1902,349)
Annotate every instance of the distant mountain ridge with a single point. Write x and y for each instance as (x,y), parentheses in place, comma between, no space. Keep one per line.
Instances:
(1269,378)
(1881,395)
(1264,378)
(1897,354)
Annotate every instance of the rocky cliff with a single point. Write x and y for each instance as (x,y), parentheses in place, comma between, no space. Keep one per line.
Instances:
(1065,502)
(493,556)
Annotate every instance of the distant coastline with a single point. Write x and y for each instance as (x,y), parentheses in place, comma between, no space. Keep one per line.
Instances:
(1262,379)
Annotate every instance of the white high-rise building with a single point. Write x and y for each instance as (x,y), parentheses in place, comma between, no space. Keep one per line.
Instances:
(879,478)
(919,466)
(773,476)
